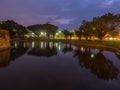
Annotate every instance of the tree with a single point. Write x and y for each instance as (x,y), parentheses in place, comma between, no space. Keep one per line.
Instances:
(36,29)
(71,34)
(105,24)
(100,26)
(86,29)
(21,31)
(66,33)
(78,33)
(50,29)
(13,27)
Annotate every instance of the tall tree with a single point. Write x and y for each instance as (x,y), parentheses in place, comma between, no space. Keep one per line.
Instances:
(36,29)
(13,27)
(66,33)
(50,29)
(78,33)
(105,24)
(86,29)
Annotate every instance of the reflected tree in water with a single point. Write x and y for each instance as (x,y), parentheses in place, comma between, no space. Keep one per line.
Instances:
(48,51)
(11,54)
(98,65)
(18,51)
(67,48)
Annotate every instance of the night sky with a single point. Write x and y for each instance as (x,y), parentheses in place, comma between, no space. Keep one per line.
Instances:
(64,13)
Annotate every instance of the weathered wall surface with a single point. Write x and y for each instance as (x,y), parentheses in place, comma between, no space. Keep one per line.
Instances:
(4,57)
(4,39)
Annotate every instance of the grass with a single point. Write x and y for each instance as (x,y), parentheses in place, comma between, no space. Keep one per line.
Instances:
(105,45)
(115,44)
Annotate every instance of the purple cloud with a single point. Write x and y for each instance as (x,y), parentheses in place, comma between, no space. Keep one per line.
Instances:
(59,12)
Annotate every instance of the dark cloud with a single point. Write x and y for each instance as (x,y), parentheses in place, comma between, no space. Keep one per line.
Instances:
(64,13)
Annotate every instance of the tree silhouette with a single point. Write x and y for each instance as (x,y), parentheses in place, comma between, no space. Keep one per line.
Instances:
(98,64)
(14,28)
(50,29)
(18,51)
(66,33)
(46,52)
(100,26)
(67,48)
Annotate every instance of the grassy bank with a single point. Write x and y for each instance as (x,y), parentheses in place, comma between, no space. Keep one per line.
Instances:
(115,44)
(105,45)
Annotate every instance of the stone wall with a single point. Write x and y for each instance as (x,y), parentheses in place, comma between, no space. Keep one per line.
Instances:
(4,57)
(4,39)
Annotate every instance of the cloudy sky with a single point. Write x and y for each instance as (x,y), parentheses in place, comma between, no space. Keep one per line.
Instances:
(64,13)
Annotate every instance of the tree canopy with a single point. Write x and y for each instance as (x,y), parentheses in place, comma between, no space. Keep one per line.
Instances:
(50,29)
(13,27)
(100,26)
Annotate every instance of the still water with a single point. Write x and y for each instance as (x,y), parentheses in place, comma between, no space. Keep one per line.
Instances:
(58,66)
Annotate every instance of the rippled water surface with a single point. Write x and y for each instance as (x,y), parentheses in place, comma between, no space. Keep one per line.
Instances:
(58,66)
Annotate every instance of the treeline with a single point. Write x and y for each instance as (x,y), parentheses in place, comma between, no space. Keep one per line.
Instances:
(99,27)
(18,30)
(50,29)
(13,27)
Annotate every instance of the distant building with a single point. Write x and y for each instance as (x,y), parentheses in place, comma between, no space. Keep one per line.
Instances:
(30,34)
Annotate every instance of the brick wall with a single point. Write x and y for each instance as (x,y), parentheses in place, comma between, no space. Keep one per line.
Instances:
(4,39)
(4,57)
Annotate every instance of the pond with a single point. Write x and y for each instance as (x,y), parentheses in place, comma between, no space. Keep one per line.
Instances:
(58,66)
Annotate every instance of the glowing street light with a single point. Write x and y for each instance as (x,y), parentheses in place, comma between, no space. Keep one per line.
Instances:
(110,38)
(42,33)
(56,33)
(94,28)
(59,32)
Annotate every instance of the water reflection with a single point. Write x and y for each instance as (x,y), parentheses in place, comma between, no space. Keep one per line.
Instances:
(117,55)
(4,58)
(44,49)
(18,50)
(92,59)
(67,48)
(96,63)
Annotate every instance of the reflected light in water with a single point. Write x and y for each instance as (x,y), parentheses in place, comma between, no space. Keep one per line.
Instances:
(82,49)
(56,44)
(33,44)
(50,44)
(59,48)
(45,44)
(41,45)
(15,44)
(92,55)
(24,45)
